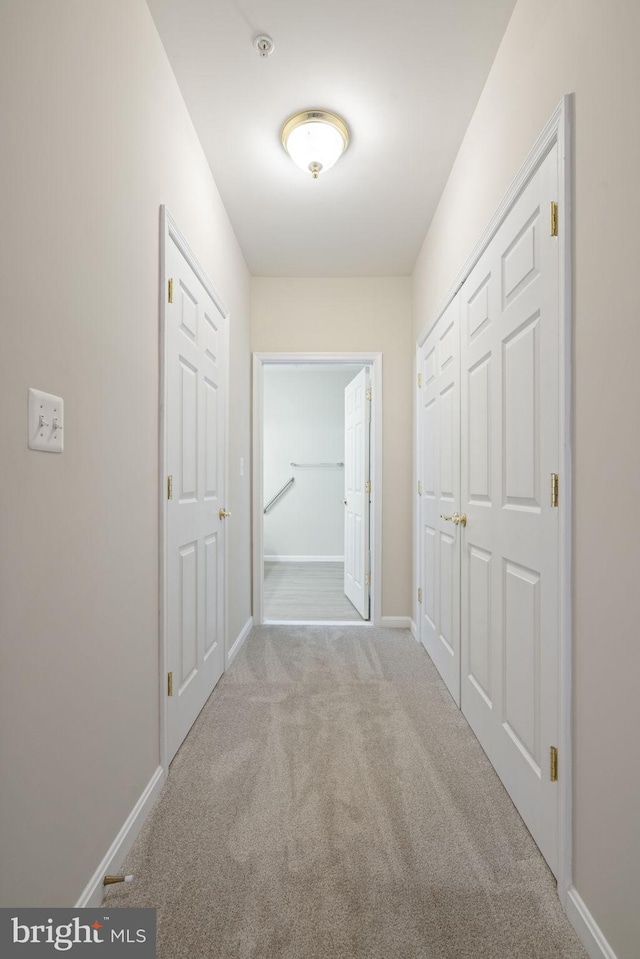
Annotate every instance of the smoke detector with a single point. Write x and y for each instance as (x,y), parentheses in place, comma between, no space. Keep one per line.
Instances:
(264,45)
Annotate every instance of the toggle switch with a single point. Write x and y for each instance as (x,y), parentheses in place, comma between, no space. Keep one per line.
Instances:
(46,421)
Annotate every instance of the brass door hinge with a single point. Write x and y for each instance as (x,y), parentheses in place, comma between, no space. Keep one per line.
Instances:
(170,291)
(169,487)
(554,219)
(419,595)
(369,393)
(419,488)
(367,579)
(169,684)
(419,380)
(367,486)
(553,764)
(554,489)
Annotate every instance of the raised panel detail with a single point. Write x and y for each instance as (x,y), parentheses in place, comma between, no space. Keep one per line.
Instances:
(188,587)
(478,310)
(479,432)
(188,443)
(479,631)
(357,459)
(429,446)
(521,659)
(358,572)
(429,367)
(429,598)
(447,434)
(446,345)
(520,261)
(210,338)
(188,313)
(447,557)
(521,416)
(211,598)
(211,439)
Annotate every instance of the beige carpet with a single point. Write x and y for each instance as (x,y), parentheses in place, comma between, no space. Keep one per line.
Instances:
(331,802)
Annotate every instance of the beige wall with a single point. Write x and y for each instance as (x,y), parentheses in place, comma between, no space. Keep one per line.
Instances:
(359,315)
(95,136)
(590,48)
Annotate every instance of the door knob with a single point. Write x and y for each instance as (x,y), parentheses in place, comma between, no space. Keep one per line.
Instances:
(457,518)
(223,513)
(344,502)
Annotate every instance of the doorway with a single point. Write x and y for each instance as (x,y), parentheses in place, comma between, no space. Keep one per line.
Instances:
(317,447)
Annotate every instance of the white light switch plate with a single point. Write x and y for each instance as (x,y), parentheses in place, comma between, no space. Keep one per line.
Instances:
(46,422)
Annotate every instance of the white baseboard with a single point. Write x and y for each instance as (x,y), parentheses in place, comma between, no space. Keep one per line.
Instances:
(414,630)
(237,646)
(395,622)
(304,559)
(587,928)
(94,890)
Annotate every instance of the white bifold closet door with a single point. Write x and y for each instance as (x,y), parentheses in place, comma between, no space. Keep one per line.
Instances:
(440,483)
(507,313)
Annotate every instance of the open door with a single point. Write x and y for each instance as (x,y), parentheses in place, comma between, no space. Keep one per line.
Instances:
(357,416)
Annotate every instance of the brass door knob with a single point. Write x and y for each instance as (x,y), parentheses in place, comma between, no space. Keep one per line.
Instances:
(460,519)
(223,513)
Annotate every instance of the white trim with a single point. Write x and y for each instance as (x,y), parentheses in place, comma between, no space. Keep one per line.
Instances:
(304,559)
(414,630)
(239,642)
(374,360)
(588,930)
(169,229)
(94,890)
(557,130)
(396,622)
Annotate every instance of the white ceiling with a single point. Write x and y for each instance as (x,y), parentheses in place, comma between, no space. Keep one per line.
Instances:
(405,75)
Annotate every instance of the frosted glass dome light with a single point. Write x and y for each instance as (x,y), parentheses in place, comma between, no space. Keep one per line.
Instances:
(315,140)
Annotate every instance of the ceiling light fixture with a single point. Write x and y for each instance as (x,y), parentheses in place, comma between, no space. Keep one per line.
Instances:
(315,140)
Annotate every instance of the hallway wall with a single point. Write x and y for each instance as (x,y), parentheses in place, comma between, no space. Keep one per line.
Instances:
(303,420)
(95,136)
(356,314)
(589,47)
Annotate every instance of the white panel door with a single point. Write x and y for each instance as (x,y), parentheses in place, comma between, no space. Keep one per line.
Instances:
(357,418)
(440,485)
(195,415)
(510,339)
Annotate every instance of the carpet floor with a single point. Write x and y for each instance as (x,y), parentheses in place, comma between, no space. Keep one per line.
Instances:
(331,802)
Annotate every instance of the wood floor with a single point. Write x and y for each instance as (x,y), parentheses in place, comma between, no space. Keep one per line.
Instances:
(306,592)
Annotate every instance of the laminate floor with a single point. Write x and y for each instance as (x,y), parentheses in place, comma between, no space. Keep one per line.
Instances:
(306,592)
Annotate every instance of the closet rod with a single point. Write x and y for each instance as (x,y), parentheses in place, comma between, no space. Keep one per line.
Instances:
(317,464)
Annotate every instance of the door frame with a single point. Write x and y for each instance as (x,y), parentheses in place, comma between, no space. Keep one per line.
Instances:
(556,131)
(169,231)
(374,360)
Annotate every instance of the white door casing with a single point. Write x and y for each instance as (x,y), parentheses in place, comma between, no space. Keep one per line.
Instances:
(510,446)
(439,473)
(357,413)
(194,586)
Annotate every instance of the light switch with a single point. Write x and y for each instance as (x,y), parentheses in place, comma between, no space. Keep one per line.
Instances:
(46,422)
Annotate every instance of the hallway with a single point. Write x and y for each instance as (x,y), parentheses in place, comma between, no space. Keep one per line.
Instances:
(331,802)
